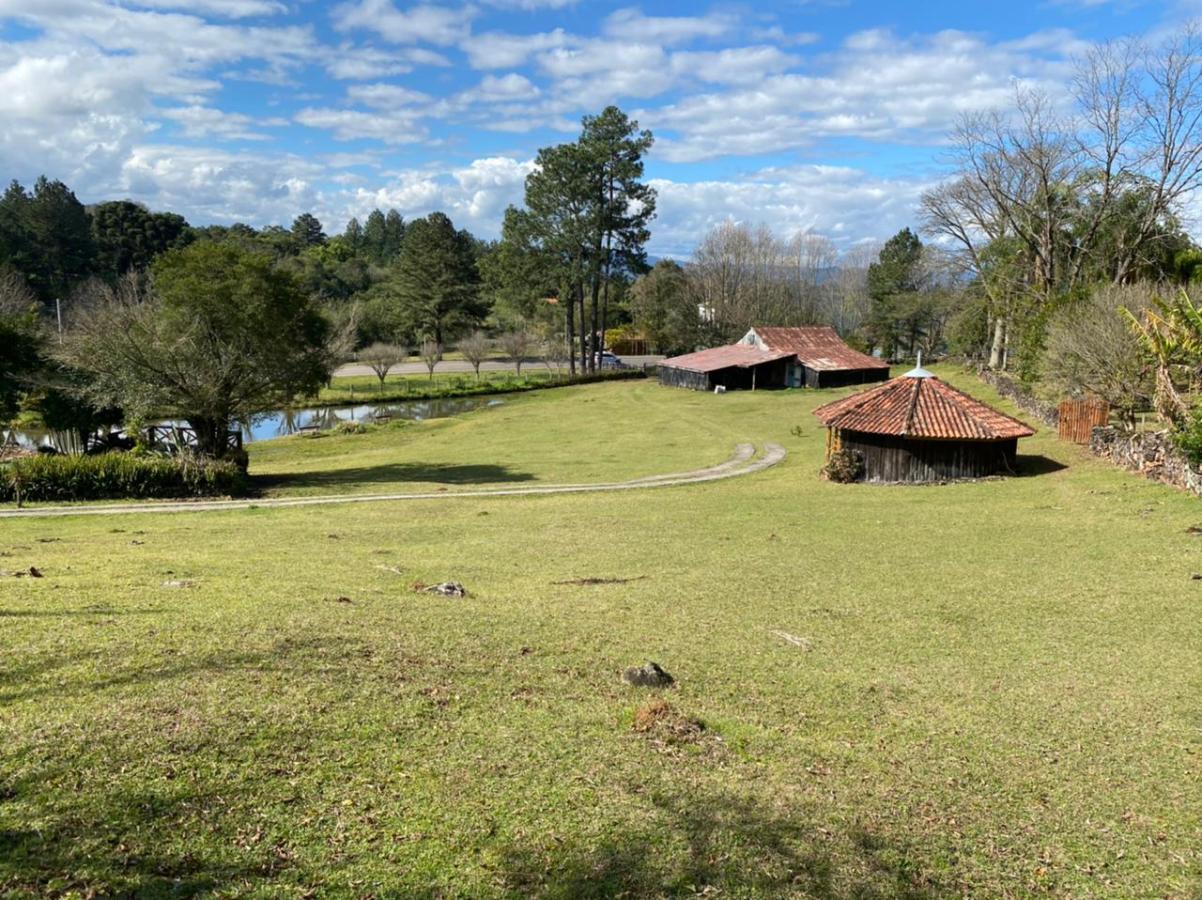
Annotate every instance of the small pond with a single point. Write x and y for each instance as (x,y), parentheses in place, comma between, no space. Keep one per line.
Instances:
(281,423)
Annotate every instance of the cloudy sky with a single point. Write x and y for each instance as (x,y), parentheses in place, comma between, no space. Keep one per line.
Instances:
(805,114)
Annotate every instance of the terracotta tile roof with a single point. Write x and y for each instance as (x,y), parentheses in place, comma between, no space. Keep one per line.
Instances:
(818,347)
(922,408)
(731,356)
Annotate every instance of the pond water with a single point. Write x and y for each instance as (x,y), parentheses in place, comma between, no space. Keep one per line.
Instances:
(284,422)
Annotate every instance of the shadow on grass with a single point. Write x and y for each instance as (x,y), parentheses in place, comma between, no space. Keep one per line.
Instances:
(394,473)
(106,850)
(720,844)
(46,676)
(70,613)
(1030,466)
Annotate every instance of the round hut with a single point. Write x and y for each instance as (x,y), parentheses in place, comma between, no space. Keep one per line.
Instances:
(917,428)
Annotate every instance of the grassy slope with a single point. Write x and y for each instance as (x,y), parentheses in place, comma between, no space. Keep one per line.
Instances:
(1001,695)
(527,439)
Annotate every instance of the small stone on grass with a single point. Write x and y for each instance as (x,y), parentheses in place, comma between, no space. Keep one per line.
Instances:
(650,675)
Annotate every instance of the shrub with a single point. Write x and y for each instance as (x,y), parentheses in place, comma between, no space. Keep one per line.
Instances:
(1187,436)
(111,476)
(844,466)
(350,427)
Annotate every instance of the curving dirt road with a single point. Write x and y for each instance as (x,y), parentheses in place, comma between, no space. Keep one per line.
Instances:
(743,462)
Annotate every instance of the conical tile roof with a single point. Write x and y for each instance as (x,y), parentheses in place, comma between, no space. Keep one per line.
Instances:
(921,407)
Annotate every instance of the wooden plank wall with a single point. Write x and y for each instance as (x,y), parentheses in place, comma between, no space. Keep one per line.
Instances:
(1078,418)
(893,459)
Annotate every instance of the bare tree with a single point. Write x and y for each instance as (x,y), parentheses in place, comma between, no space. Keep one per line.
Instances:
(849,299)
(1044,202)
(431,353)
(516,344)
(15,295)
(381,357)
(475,349)
(1091,349)
(555,353)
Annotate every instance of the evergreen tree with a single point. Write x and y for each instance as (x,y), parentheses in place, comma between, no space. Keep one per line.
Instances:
(435,283)
(47,237)
(891,279)
(307,231)
(353,236)
(375,237)
(128,236)
(394,235)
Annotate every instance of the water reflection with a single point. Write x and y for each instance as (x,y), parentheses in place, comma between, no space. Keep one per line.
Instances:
(296,421)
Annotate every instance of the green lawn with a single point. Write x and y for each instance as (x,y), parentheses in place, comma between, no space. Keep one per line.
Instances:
(997,691)
(346,389)
(534,438)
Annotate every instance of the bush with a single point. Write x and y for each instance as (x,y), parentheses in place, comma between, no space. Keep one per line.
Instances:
(844,466)
(112,476)
(1187,437)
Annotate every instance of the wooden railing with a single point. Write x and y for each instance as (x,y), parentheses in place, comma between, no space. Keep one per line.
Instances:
(173,437)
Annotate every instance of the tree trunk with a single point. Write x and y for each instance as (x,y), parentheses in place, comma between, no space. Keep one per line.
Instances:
(595,342)
(1168,401)
(583,335)
(997,350)
(211,436)
(570,308)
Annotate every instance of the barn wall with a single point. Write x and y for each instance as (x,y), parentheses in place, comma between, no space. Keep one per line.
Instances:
(683,378)
(892,459)
(844,377)
(768,375)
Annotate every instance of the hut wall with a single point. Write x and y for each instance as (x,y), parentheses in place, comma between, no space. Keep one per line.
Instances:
(769,375)
(844,377)
(683,378)
(888,458)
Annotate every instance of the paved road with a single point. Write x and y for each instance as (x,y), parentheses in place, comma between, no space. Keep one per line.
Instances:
(743,462)
(451,366)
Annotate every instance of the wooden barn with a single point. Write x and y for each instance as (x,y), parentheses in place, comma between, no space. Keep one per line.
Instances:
(917,428)
(775,358)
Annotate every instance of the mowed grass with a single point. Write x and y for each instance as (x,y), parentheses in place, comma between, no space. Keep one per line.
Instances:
(997,692)
(584,434)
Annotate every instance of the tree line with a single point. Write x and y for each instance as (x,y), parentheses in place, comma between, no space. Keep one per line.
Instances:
(114,311)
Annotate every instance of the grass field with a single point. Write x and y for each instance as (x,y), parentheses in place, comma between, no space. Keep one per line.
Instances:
(993,687)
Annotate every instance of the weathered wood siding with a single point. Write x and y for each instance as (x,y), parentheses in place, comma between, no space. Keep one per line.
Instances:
(899,459)
(843,377)
(1078,418)
(768,375)
(683,378)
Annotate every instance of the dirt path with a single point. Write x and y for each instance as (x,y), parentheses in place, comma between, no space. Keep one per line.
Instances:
(743,462)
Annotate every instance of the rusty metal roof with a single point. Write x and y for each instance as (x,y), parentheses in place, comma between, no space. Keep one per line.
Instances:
(740,356)
(818,347)
(921,408)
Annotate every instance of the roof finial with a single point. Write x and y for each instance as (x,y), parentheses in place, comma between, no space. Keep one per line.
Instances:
(918,371)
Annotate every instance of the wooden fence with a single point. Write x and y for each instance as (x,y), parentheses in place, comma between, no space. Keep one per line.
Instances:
(1078,418)
(174,437)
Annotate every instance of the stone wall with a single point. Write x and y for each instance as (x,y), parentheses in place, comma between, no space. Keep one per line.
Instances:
(1020,396)
(1150,453)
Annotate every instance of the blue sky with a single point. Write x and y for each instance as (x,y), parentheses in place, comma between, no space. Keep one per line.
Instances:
(826,116)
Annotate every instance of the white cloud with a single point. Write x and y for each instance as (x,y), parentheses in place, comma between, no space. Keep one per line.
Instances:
(229,9)
(212,186)
(630,24)
(385,96)
(843,203)
(474,196)
(392,127)
(877,87)
(207,122)
(424,23)
(495,50)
